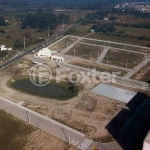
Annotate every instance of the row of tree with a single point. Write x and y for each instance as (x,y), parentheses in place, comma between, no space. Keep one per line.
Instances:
(104,27)
(43,20)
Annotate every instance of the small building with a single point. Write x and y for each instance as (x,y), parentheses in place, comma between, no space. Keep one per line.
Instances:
(106,19)
(45,52)
(57,58)
(3,48)
(92,30)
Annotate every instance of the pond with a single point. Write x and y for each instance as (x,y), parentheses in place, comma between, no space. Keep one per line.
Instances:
(50,90)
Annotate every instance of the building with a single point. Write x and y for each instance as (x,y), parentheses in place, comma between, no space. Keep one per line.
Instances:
(3,48)
(57,58)
(45,52)
(146,145)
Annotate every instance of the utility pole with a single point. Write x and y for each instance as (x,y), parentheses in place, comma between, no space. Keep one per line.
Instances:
(126,63)
(74,52)
(125,46)
(63,25)
(75,20)
(28,117)
(91,55)
(107,58)
(24,43)
(83,16)
(48,32)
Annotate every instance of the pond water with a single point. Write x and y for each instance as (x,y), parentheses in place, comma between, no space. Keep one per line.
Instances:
(49,90)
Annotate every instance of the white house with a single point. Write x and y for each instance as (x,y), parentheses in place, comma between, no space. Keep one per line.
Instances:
(45,52)
(3,48)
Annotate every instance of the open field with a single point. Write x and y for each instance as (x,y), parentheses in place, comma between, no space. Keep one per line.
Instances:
(73,13)
(133,31)
(82,30)
(63,43)
(119,58)
(85,51)
(18,135)
(91,117)
(97,67)
(14,133)
(143,74)
(119,39)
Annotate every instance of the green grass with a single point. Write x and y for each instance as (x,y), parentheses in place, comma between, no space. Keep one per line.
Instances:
(13,132)
(119,58)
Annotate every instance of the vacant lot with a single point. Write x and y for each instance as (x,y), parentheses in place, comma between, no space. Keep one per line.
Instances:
(85,51)
(120,58)
(63,43)
(134,31)
(91,118)
(18,135)
(13,132)
(143,74)
(97,67)
(119,39)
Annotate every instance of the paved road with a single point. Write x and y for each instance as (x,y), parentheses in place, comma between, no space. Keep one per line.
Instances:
(103,54)
(49,125)
(137,68)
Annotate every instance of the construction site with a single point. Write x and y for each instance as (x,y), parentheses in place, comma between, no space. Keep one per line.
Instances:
(91,107)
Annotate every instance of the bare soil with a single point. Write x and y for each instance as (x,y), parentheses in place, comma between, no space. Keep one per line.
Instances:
(88,112)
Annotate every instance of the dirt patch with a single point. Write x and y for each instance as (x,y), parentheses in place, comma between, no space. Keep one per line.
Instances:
(97,67)
(85,51)
(44,141)
(87,103)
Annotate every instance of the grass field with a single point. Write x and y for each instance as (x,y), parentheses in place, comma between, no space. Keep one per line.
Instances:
(82,30)
(134,31)
(73,13)
(85,51)
(97,67)
(119,39)
(13,132)
(119,58)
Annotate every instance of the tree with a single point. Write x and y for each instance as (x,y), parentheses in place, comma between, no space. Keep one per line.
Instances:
(2,31)
(2,21)
(18,43)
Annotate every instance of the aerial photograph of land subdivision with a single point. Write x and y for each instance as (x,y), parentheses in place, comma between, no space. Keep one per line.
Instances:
(74,74)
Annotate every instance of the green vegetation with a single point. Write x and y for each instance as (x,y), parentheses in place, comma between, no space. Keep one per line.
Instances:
(13,132)
(104,28)
(3,53)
